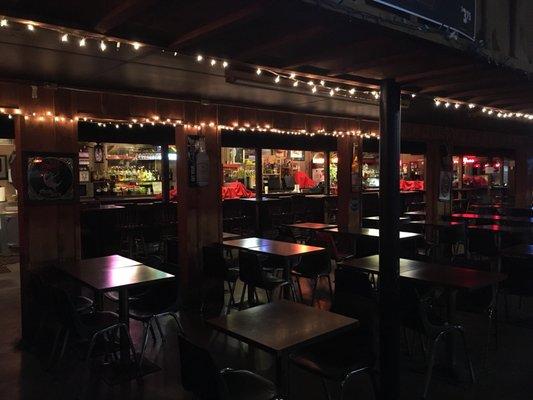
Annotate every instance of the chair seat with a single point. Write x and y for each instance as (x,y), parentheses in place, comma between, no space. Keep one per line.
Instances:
(98,321)
(271,282)
(82,303)
(245,385)
(334,359)
(232,274)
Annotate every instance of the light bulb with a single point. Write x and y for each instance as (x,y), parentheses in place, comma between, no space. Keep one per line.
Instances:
(136,45)
(352,91)
(310,83)
(225,64)
(292,75)
(64,37)
(82,42)
(258,71)
(295,83)
(103,46)
(437,103)
(457,105)
(213,62)
(199,58)
(331,92)
(277,79)
(118,45)
(413,95)
(446,104)
(30,27)
(3,23)
(471,105)
(322,83)
(314,89)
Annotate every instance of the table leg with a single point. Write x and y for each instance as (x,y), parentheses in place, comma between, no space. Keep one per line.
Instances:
(123,313)
(451,340)
(282,378)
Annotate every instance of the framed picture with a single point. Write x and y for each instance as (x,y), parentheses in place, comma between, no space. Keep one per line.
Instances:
(50,177)
(297,155)
(445,186)
(3,168)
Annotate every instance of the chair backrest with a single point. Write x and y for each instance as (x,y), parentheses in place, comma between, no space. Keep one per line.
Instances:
(63,305)
(214,264)
(250,271)
(312,263)
(519,273)
(289,182)
(325,239)
(274,183)
(199,373)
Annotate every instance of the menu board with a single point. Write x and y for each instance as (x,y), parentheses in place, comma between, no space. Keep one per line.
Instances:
(459,15)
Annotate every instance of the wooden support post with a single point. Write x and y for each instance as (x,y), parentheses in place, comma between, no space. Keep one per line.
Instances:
(389,243)
(165,176)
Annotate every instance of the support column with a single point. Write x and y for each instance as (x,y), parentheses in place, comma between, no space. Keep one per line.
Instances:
(199,210)
(389,243)
(438,160)
(165,173)
(349,153)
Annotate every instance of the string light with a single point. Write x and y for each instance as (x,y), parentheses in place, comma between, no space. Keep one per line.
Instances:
(277,79)
(82,42)
(199,58)
(103,46)
(295,83)
(213,62)
(136,45)
(3,23)
(225,64)
(30,27)
(118,45)
(64,37)
(292,75)
(258,71)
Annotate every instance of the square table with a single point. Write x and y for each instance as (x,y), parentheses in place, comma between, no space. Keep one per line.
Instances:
(521,251)
(311,226)
(272,247)
(228,235)
(115,272)
(282,327)
(372,233)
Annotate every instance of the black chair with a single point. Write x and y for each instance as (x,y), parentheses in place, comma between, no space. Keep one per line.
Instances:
(483,301)
(313,266)
(417,314)
(215,266)
(343,358)
(200,376)
(88,329)
(519,280)
(481,244)
(254,276)
(288,181)
(161,301)
(452,238)
(274,183)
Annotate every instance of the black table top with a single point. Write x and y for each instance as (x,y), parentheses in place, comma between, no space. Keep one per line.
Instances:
(371,232)
(502,228)
(272,247)
(315,226)
(282,326)
(521,250)
(103,275)
(430,273)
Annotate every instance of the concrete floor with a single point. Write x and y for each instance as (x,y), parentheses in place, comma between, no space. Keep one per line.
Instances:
(508,374)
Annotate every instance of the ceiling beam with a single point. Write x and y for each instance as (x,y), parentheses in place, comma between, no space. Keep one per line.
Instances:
(218,23)
(280,42)
(336,52)
(451,89)
(121,13)
(414,77)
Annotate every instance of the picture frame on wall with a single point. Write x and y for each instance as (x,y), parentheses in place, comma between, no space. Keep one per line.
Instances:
(4,168)
(297,155)
(50,178)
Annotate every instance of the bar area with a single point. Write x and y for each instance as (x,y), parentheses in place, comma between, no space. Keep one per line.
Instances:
(266,200)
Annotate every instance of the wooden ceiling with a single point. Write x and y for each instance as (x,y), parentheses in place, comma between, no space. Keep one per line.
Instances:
(296,36)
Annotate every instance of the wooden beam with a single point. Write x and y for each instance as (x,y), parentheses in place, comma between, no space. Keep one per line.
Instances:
(449,89)
(280,42)
(335,53)
(379,62)
(413,78)
(121,13)
(492,93)
(219,23)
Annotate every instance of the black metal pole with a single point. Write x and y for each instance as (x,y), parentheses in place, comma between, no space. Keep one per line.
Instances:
(389,243)
(165,175)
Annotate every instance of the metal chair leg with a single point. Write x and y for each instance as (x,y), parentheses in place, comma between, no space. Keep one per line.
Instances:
(325,388)
(300,289)
(144,343)
(242,296)
(160,329)
(431,363)
(467,357)
(330,286)
(64,346)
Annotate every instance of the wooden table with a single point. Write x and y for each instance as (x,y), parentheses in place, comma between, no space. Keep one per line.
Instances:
(115,272)
(372,233)
(272,247)
(495,218)
(282,327)
(451,279)
(415,214)
(227,235)
(311,226)
(258,204)
(520,251)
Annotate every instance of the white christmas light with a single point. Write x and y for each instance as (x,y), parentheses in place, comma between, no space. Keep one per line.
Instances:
(277,79)
(292,75)
(295,83)
(322,83)
(314,89)
(30,27)
(64,37)
(471,106)
(225,64)
(82,42)
(213,62)
(258,71)
(103,46)
(457,105)
(331,92)
(3,23)
(136,45)
(447,104)
(199,58)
